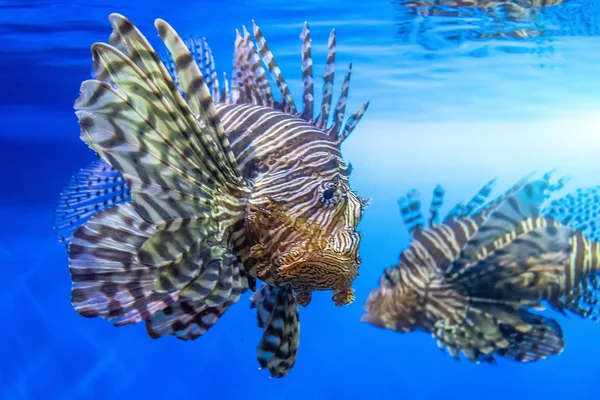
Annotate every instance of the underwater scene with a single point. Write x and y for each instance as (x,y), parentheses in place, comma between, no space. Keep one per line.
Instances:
(300,199)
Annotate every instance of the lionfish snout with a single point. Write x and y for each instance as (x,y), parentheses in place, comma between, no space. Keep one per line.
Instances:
(331,264)
(387,310)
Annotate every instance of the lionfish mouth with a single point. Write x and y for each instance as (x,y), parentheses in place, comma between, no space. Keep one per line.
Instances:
(319,270)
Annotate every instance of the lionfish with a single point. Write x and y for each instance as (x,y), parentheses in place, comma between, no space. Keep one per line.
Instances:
(202,191)
(475,280)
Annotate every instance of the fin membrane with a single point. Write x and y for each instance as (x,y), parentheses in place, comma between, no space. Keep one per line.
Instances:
(250,83)
(523,266)
(277,315)
(473,205)
(137,121)
(487,329)
(583,301)
(174,154)
(108,281)
(94,188)
(186,320)
(410,210)
(580,210)
(505,214)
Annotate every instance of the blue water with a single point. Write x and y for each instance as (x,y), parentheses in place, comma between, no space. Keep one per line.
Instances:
(450,104)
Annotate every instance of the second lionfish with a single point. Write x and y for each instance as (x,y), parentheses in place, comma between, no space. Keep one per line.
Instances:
(475,280)
(201,191)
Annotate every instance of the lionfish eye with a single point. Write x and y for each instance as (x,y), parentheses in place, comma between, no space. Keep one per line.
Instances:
(328,194)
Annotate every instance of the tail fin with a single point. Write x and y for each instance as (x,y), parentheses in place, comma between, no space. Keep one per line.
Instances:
(277,314)
(94,188)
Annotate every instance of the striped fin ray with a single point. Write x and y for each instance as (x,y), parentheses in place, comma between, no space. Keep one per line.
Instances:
(140,75)
(198,98)
(352,122)
(482,330)
(307,75)
(340,110)
(437,200)
(504,215)
(202,268)
(185,320)
(108,281)
(287,101)
(94,188)
(172,152)
(410,210)
(249,81)
(328,79)
(579,209)
(473,205)
(277,315)
(259,73)
(151,150)
(523,265)
(583,300)
(340,107)
(203,57)
(256,82)
(220,282)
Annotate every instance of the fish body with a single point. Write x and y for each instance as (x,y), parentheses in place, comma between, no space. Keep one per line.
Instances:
(475,280)
(202,190)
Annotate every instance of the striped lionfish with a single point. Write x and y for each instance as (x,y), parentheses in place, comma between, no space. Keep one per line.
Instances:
(475,280)
(200,191)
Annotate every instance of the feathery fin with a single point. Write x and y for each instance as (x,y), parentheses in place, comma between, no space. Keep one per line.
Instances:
(175,157)
(108,282)
(185,320)
(522,265)
(503,215)
(94,188)
(487,329)
(579,209)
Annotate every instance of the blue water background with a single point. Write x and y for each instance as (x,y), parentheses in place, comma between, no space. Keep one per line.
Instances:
(445,108)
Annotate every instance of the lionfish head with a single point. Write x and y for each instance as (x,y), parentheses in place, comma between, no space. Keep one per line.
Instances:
(312,240)
(393,305)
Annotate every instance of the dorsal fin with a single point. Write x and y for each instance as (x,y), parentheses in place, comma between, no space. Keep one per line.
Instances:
(504,214)
(250,85)
(410,210)
(460,209)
